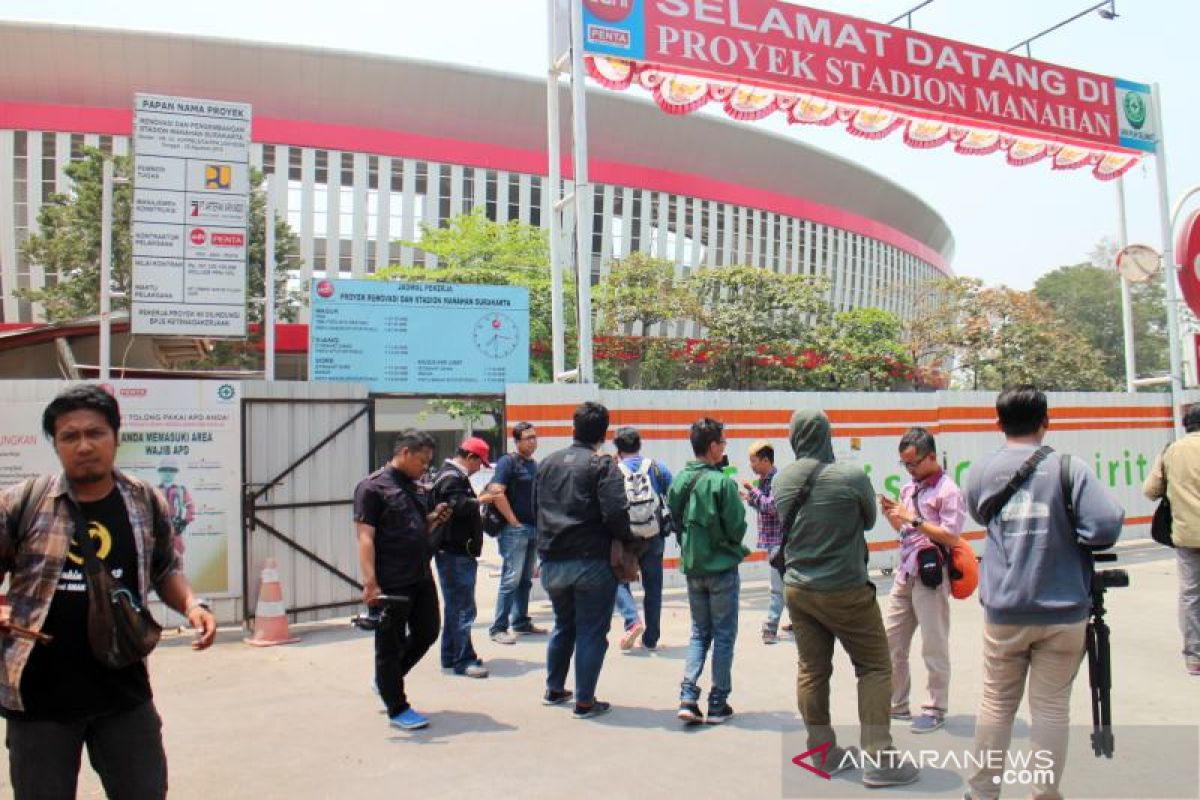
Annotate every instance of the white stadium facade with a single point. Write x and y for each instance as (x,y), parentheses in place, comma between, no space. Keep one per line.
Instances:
(374,145)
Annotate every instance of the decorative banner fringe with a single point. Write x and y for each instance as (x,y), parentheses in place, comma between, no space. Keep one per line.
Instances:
(682,94)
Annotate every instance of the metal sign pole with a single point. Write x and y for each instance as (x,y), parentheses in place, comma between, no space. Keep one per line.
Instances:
(1168,261)
(106,221)
(1126,293)
(551,204)
(583,196)
(269,283)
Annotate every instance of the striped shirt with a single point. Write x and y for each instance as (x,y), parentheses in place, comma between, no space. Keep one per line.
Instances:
(34,560)
(770,529)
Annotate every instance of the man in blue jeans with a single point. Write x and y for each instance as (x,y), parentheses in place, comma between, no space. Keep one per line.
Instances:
(582,510)
(712,522)
(512,487)
(460,541)
(629,446)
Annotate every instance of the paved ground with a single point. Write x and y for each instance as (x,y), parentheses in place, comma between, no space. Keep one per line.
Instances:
(301,721)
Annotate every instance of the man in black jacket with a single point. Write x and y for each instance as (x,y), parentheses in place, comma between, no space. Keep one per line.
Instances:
(461,540)
(581,510)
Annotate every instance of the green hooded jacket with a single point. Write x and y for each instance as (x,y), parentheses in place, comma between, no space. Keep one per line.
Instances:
(826,548)
(714,522)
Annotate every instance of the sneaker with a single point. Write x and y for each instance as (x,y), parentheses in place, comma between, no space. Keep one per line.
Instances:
(631,635)
(556,697)
(927,723)
(531,630)
(503,637)
(840,759)
(690,713)
(769,637)
(719,715)
(597,708)
(902,716)
(409,720)
(882,776)
(1193,668)
(473,671)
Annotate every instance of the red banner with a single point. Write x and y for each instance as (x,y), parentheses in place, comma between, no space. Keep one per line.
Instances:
(796,48)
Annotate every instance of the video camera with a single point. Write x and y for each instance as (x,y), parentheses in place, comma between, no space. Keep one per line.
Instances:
(386,606)
(1099,657)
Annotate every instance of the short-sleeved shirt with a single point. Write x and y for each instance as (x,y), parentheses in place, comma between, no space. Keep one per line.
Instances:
(938,500)
(395,506)
(516,475)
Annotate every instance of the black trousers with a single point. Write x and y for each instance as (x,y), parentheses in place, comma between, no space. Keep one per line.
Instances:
(125,749)
(402,639)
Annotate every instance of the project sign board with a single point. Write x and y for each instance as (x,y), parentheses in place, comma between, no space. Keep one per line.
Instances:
(191,201)
(419,338)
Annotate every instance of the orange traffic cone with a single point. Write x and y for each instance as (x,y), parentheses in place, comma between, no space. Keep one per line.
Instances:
(270,614)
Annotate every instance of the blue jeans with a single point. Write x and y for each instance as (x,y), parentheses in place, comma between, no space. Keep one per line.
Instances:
(457,576)
(518,548)
(714,604)
(775,609)
(651,566)
(582,593)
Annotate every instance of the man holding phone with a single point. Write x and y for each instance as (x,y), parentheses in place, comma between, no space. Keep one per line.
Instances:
(929,518)
(394,523)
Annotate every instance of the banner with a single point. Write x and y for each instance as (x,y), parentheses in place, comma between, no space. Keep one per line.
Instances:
(758,57)
(183,437)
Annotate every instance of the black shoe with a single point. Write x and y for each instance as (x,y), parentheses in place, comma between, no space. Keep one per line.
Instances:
(717,716)
(556,697)
(889,772)
(690,713)
(597,708)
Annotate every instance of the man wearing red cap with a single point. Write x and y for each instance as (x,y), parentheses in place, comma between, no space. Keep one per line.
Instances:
(460,541)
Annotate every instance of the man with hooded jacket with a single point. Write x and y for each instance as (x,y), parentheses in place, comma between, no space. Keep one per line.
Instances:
(829,598)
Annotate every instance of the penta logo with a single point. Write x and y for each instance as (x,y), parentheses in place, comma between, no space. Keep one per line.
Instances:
(198,236)
(218,176)
(609,10)
(325,289)
(1135,110)
(228,239)
(128,391)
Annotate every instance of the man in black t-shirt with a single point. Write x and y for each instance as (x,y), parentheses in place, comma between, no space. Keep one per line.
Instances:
(393,523)
(55,695)
(512,486)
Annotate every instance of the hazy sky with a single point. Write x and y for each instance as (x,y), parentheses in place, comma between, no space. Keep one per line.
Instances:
(1010,224)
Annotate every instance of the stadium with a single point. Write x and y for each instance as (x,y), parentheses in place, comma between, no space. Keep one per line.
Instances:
(372,146)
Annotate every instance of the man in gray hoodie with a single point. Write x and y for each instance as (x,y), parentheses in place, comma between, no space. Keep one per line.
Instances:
(1035,585)
(829,598)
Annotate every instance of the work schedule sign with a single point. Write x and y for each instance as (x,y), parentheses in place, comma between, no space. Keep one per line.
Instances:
(419,338)
(191,201)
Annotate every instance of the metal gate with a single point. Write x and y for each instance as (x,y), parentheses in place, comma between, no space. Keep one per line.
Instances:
(304,447)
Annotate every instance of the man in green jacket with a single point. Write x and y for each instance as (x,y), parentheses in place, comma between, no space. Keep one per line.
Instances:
(829,597)
(712,523)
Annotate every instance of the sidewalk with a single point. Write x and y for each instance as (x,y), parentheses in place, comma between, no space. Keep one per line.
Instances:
(302,721)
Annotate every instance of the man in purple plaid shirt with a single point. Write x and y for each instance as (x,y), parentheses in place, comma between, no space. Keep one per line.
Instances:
(758,495)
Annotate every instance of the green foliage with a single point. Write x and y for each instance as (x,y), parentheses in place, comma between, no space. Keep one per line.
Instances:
(864,351)
(68,248)
(641,291)
(996,336)
(1088,299)
(472,249)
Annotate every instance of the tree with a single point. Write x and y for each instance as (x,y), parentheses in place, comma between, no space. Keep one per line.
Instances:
(68,246)
(1088,299)
(863,352)
(473,249)
(639,292)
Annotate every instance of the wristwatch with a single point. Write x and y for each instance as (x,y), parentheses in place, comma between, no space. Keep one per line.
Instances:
(917,522)
(200,602)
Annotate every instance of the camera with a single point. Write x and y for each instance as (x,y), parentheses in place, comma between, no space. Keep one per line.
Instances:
(386,607)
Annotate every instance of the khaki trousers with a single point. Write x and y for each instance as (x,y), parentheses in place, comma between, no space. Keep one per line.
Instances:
(849,616)
(1049,655)
(910,606)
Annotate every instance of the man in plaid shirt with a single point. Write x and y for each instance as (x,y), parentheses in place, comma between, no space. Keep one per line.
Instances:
(758,495)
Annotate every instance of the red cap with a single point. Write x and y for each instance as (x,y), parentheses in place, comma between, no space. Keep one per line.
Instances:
(477,446)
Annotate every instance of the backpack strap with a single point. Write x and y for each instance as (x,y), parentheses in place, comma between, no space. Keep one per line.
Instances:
(991,507)
(1068,491)
(801,498)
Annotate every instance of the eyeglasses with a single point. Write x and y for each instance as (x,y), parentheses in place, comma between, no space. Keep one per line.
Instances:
(530,438)
(911,465)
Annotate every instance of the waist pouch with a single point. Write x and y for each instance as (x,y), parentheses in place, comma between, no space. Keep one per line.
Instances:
(929,566)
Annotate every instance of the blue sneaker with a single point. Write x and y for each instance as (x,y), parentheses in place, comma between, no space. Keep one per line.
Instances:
(409,720)
(926,723)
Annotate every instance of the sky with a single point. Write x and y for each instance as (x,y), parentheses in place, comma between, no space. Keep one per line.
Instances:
(1010,224)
